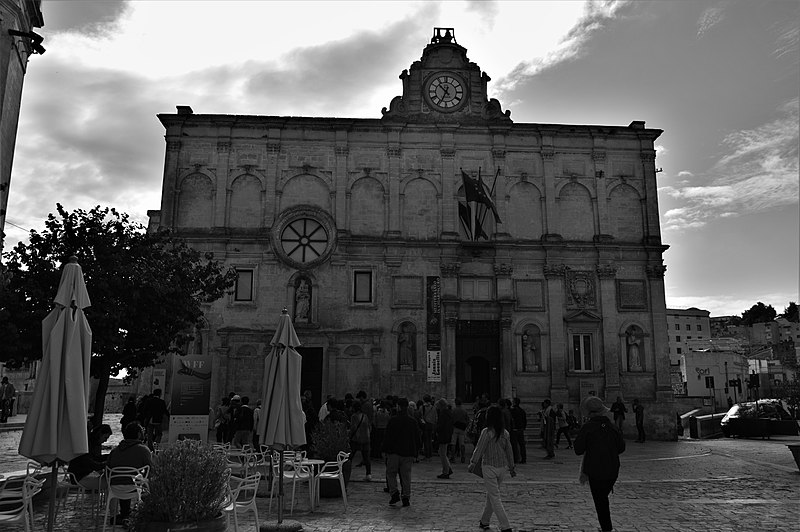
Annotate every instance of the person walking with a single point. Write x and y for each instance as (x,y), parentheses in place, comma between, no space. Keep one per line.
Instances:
(638,412)
(401,447)
(243,424)
(155,409)
(563,425)
(428,415)
(221,419)
(460,424)
(619,410)
(496,456)
(381,419)
(443,435)
(601,443)
(360,429)
(7,392)
(520,418)
(549,421)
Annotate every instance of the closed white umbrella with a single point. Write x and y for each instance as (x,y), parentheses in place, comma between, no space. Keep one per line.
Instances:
(55,429)
(281,424)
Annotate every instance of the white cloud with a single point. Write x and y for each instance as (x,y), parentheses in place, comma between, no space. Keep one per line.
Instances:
(710,18)
(759,172)
(685,173)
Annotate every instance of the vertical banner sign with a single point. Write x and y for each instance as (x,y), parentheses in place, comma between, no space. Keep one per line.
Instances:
(433,328)
(191,393)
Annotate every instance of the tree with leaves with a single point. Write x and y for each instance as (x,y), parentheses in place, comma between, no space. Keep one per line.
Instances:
(791,312)
(148,291)
(758,313)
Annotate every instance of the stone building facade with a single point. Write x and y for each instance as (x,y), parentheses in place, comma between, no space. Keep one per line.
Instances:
(18,18)
(354,226)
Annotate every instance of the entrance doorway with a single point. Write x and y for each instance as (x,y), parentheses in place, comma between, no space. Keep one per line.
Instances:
(477,359)
(311,373)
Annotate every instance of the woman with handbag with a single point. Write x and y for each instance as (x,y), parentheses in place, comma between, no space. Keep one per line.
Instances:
(492,456)
(359,438)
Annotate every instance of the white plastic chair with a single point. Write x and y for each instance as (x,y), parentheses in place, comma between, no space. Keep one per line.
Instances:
(16,505)
(124,483)
(242,498)
(68,483)
(333,471)
(293,470)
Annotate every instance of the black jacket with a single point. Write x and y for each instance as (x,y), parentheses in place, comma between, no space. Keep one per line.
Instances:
(402,435)
(602,442)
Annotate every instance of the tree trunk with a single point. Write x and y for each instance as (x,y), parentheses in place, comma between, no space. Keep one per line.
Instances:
(100,396)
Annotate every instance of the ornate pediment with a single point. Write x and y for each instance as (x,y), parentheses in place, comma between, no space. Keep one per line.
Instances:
(582,316)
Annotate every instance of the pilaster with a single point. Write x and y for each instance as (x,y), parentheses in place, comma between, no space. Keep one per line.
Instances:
(222,182)
(271,180)
(340,179)
(169,192)
(607,273)
(394,153)
(658,313)
(448,202)
(551,214)
(652,227)
(554,277)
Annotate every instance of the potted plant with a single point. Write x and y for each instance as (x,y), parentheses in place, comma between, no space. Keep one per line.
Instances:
(328,439)
(188,488)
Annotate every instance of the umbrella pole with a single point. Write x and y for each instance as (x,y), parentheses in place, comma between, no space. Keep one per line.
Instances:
(51,515)
(280,490)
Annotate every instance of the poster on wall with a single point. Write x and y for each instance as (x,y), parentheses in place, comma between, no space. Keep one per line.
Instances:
(159,379)
(434,366)
(189,400)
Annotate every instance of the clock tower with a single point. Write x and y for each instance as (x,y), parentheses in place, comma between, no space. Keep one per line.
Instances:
(444,86)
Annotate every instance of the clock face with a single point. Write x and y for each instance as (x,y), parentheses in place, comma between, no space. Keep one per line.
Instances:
(446,92)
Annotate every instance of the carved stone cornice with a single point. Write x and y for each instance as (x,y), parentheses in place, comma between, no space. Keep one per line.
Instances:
(223,147)
(548,154)
(503,270)
(273,148)
(449,269)
(173,145)
(655,271)
(606,271)
(448,153)
(498,153)
(648,155)
(393,152)
(342,151)
(552,271)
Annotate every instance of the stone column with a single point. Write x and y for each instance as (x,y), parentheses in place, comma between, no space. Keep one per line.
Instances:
(222,187)
(651,220)
(551,214)
(660,343)
(554,275)
(271,181)
(608,310)
(450,310)
(499,157)
(340,184)
(448,200)
(171,187)
(394,178)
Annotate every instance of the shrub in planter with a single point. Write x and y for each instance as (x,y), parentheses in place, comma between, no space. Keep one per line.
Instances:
(188,486)
(328,439)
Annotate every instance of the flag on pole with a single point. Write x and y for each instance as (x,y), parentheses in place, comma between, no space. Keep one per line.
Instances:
(465,215)
(475,190)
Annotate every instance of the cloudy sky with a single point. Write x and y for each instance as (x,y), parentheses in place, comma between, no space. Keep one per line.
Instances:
(720,77)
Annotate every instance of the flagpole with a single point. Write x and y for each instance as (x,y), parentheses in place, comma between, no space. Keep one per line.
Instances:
(491,193)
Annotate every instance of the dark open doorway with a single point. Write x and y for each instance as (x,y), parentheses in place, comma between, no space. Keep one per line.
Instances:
(311,373)
(477,359)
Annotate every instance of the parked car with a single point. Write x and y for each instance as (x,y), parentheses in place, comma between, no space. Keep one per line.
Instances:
(763,418)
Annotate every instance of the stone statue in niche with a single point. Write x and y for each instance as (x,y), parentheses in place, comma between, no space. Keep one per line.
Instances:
(531,356)
(406,346)
(633,342)
(302,301)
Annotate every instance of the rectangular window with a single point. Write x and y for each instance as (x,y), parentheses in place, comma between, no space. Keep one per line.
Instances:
(476,289)
(679,350)
(677,338)
(582,352)
(699,327)
(688,337)
(362,287)
(688,326)
(244,285)
(677,326)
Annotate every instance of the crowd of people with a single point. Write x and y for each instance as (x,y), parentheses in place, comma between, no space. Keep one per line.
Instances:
(399,433)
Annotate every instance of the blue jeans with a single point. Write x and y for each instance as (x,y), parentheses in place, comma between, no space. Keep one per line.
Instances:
(492,478)
(399,464)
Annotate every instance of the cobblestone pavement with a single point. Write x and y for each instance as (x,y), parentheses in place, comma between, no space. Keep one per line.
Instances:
(689,485)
